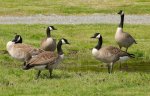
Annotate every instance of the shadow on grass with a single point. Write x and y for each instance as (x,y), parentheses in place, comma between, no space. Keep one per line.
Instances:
(45,75)
(3,52)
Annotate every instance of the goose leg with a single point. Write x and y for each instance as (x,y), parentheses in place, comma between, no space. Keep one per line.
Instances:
(120,47)
(126,66)
(24,66)
(24,63)
(120,66)
(110,68)
(38,74)
(50,73)
(126,49)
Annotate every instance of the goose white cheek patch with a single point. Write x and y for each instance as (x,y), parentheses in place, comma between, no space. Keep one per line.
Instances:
(50,28)
(63,41)
(18,39)
(98,36)
(122,13)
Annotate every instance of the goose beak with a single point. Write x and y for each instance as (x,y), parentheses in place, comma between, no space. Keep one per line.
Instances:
(92,37)
(54,29)
(118,13)
(68,43)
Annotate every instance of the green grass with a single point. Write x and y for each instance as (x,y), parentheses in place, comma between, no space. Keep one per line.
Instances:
(72,7)
(79,74)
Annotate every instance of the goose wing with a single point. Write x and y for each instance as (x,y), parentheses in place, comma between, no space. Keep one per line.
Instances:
(28,48)
(22,46)
(117,54)
(113,50)
(129,38)
(48,44)
(110,54)
(43,58)
(116,51)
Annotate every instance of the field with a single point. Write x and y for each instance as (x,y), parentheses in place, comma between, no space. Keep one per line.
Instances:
(72,7)
(79,73)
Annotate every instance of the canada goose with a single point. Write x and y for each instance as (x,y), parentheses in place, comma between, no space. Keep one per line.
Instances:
(108,54)
(49,44)
(123,39)
(47,60)
(20,51)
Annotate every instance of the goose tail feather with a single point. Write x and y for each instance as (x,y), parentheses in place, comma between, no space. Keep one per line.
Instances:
(131,55)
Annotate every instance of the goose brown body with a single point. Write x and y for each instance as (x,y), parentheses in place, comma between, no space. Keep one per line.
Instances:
(122,38)
(21,51)
(48,44)
(46,60)
(108,54)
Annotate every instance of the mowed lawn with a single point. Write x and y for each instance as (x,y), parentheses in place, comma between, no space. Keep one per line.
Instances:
(72,7)
(79,74)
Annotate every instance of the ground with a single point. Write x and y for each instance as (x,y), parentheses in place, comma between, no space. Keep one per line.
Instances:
(79,74)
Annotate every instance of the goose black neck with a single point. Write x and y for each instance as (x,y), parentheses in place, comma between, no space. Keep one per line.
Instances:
(48,32)
(121,21)
(59,49)
(99,44)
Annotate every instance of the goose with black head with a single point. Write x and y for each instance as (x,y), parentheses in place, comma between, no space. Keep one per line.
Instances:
(21,51)
(47,60)
(108,54)
(122,38)
(48,43)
